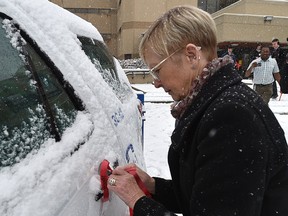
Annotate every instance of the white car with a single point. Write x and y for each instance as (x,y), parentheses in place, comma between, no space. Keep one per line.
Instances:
(65,106)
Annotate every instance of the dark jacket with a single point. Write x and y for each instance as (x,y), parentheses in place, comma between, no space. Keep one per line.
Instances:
(254,54)
(279,55)
(284,79)
(228,157)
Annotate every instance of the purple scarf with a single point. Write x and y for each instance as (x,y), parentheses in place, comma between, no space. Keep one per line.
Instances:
(178,107)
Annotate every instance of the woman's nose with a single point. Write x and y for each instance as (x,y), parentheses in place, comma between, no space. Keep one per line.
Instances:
(157,83)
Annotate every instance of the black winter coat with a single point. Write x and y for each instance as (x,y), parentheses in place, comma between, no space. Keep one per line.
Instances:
(284,79)
(228,157)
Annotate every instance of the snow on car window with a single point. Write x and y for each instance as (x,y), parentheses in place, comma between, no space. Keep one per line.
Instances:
(104,62)
(19,141)
(122,90)
(24,123)
(22,118)
(5,61)
(62,109)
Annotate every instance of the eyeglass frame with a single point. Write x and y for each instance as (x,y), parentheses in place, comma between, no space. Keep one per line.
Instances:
(156,75)
(153,73)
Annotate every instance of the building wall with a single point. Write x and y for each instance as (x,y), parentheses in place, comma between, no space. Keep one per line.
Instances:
(135,16)
(122,22)
(244,21)
(101,13)
(259,7)
(250,28)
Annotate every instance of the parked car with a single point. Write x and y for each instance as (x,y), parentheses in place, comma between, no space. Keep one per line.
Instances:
(65,106)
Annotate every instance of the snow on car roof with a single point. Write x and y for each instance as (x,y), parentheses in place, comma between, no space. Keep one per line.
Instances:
(55,30)
(34,12)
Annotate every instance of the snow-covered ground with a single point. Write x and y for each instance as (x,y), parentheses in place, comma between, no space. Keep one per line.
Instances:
(159,125)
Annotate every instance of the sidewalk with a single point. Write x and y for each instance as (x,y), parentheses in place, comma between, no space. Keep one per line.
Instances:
(155,95)
(152,94)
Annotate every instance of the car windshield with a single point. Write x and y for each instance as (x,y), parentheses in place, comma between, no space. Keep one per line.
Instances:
(33,105)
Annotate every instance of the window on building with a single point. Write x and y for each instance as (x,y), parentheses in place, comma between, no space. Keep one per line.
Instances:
(212,6)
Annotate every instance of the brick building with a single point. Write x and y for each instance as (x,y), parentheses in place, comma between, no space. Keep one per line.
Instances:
(240,23)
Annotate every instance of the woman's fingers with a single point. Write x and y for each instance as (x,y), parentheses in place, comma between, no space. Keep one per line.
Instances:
(125,186)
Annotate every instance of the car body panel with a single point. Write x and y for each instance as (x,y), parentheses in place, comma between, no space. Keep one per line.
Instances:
(59,180)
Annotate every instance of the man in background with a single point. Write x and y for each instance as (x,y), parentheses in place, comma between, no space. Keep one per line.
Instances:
(278,54)
(230,53)
(255,53)
(264,70)
(284,76)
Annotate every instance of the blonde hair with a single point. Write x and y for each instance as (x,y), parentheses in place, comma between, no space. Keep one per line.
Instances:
(178,27)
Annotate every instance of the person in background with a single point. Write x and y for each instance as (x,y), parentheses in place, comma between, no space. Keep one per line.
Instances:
(278,54)
(255,53)
(230,53)
(264,70)
(228,153)
(284,76)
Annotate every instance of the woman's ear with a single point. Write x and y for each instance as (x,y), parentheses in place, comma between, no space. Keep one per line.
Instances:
(191,51)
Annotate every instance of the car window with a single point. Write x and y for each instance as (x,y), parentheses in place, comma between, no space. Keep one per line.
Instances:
(33,105)
(58,101)
(104,62)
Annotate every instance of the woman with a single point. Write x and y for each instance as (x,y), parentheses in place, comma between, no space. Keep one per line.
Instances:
(228,154)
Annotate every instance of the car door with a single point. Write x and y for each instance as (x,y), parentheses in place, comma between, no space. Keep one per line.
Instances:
(42,125)
(51,144)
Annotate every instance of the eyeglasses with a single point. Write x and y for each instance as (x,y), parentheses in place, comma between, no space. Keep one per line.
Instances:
(155,73)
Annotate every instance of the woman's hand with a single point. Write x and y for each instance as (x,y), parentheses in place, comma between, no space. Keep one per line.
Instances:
(126,186)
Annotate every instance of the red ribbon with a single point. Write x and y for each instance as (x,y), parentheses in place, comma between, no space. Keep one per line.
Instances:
(132,171)
(105,171)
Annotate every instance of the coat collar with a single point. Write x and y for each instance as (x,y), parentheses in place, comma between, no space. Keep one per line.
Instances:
(221,80)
